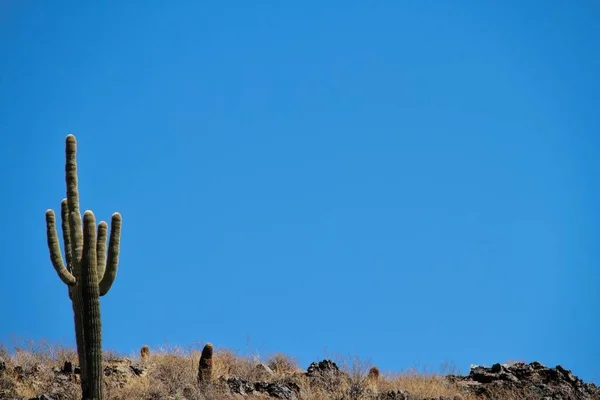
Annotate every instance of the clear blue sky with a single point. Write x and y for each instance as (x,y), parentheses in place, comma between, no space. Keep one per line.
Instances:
(411,182)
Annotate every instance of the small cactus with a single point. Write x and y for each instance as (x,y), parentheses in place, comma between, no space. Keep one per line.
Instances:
(205,365)
(145,353)
(373,374)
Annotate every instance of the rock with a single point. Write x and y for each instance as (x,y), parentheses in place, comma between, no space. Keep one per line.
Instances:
(2,365)
(239,386)
(115,359)
(404,395)
(264,370)
(527,380)
(67,368)
(116,370)
(356,391)
(325,367)
(278,390)
(138,370)
(325,375)
(43,397)
(394,395)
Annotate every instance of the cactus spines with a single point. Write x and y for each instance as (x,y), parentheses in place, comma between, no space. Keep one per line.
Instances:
(144,353)
(89,271)
(205,364)
(90,294)
(373,374)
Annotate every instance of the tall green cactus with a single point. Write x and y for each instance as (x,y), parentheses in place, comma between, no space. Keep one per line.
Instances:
(88,273)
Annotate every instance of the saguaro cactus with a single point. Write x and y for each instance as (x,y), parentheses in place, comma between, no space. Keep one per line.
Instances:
(89,272)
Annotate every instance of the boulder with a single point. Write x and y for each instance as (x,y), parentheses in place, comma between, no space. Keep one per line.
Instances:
(528,380)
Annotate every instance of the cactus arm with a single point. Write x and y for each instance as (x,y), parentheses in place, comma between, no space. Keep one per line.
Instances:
(112,261)
(54,247)
(66,230)
(101,249)
(91,309)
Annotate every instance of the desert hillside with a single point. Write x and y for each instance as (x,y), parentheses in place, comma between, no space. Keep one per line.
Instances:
(51,373)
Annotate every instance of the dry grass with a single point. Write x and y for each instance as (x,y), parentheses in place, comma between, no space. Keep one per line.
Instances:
(171,373)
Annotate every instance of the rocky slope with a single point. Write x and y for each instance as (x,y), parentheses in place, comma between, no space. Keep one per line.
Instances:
(128,379)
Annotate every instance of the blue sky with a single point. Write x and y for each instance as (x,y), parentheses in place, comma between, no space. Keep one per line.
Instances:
(408,182)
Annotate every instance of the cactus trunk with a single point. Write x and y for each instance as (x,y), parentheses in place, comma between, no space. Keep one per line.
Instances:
(90,295)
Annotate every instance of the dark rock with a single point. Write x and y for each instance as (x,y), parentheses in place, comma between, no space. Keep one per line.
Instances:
(325,374)
(568,375)
(116,370)
(2,365)
(394,395)
(278,390)
(532,380)
(404,395)
(496,368)
(67,368)
(239,386)
(138,370)
(325,367)
(356,391)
